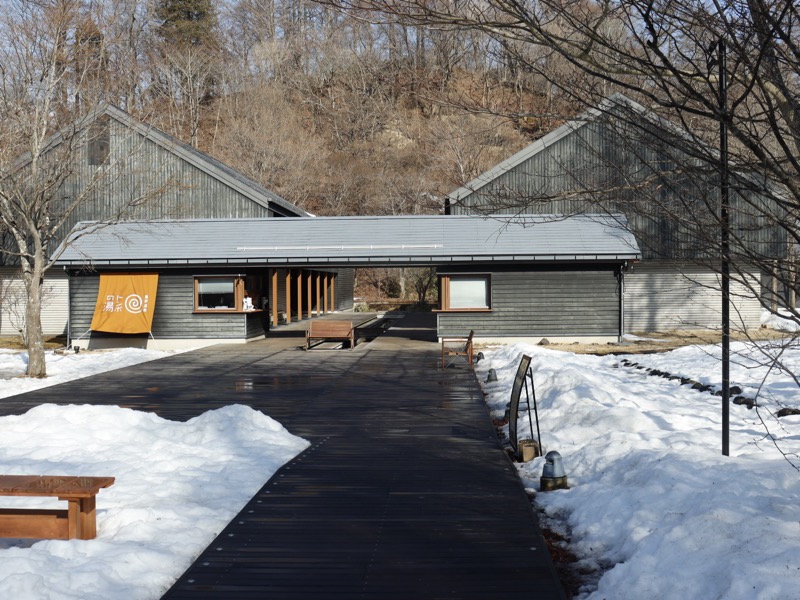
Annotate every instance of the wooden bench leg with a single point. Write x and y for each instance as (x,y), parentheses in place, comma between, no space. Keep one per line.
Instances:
(82,516)
(73,518)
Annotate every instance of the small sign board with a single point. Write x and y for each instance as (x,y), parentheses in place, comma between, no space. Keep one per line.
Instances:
(516,390)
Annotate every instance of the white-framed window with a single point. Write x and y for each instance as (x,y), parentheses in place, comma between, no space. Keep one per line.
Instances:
(465,292)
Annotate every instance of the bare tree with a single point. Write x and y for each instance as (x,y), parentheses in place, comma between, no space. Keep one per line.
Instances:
(55,155)
(423,280)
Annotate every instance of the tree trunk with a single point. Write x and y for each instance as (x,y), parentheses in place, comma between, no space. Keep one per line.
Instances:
(34,278)
(402,281)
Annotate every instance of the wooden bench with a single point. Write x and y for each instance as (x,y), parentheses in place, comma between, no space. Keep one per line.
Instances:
(78,521)
(330,331)
(455,348)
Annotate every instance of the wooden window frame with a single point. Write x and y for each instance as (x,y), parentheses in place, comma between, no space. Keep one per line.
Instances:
(238,294)
(445,297)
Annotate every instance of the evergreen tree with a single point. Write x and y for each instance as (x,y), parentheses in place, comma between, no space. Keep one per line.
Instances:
(187,23)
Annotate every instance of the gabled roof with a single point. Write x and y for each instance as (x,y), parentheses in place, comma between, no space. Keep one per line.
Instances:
(615,101)
(352,241)
(202,161)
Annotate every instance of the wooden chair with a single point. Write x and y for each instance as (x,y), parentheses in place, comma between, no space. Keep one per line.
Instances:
(457,348)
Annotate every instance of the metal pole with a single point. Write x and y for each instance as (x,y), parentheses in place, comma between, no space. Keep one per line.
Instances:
(530,422)
(536,412)
(725,247)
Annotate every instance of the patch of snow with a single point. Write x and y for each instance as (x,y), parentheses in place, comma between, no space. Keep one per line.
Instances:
(780,322)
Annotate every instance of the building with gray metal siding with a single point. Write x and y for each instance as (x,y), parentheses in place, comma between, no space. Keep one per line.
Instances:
(173,179)
(176,323)
(522,279)
(558,302)
(622,158)
(168,178)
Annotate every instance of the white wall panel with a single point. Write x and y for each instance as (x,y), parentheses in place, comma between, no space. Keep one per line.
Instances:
(12,303)
(661,298)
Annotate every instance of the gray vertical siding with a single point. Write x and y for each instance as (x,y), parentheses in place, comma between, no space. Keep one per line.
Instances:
(345,289)
(612,166)
(173,317)
(166,185)
(547,302)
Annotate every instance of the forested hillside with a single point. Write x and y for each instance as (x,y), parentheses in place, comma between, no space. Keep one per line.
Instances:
(336,113)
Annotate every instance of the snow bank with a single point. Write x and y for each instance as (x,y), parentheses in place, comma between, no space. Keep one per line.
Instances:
(654,509)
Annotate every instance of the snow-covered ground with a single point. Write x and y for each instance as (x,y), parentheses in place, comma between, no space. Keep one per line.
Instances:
(177,484)
(65,367)
(654,510)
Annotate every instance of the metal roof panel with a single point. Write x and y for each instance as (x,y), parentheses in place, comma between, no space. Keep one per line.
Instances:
(348,240)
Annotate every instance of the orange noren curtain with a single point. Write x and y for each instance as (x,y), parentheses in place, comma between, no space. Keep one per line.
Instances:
(125,303)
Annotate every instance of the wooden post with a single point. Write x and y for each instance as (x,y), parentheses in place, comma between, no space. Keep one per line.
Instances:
(333,292)
(309,284)
(274,300)
(288,295)
(319,289)
(73,518)
(300,295)
(325,293)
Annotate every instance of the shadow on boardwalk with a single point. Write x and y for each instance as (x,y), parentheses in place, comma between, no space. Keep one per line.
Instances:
(404,492)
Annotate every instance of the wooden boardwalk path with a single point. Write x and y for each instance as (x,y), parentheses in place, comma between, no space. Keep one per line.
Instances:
(404,493)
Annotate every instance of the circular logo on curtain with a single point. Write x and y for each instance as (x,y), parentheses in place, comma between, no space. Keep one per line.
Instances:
(135,304)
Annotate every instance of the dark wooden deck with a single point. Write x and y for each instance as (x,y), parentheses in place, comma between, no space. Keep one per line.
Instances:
(404,492)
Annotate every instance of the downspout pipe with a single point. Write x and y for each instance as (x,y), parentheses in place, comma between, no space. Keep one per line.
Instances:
(622,270)
(69,307)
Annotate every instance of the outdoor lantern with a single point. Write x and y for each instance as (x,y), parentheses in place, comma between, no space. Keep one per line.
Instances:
(491,376)
(479,357)
(553,476)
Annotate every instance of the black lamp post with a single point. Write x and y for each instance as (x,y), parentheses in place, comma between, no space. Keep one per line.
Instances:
(725,249)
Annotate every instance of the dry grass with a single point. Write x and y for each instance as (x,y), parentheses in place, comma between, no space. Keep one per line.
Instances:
(662,342)
(649,342)
(15,343)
